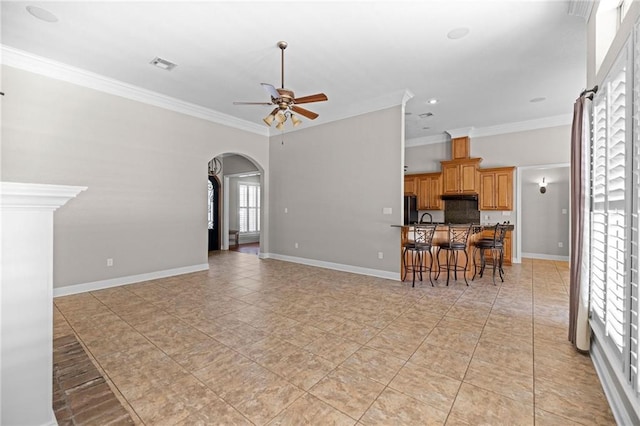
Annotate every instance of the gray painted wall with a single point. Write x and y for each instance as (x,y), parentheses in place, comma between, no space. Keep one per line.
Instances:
(232,164)
(145,168)
(543,223)
(334,180)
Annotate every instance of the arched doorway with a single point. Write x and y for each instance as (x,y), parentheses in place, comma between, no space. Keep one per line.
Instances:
(240,196)
(214,213)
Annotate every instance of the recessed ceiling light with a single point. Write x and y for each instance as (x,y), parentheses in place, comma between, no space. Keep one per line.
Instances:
(432,101)
(42,14)
(540,99)
(426,128)
(163,64)
(457,33)
(426,114)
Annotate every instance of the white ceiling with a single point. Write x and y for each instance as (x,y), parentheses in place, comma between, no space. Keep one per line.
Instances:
(355,52)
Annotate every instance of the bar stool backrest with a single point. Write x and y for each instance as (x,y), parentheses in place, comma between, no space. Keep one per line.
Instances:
(423,234)
(459,234)
(500,232)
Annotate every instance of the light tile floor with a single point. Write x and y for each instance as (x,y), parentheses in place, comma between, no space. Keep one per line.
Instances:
(269,342)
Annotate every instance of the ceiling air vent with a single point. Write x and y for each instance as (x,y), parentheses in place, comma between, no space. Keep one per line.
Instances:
(163,64)
(426,115)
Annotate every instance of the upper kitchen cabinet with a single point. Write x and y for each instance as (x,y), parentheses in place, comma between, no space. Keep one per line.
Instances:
(430,191)
(460,176)
(496,188)
(460,148)
(410,185)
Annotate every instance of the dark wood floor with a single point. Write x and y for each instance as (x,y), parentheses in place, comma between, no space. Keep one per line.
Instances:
(81,396)
(251,248)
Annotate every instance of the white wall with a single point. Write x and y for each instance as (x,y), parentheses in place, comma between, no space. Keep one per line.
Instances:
(334,180)
(146,169)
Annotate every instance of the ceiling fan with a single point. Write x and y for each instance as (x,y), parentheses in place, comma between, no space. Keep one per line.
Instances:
(285,101)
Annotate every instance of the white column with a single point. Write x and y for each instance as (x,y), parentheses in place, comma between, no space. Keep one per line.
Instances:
(26,300)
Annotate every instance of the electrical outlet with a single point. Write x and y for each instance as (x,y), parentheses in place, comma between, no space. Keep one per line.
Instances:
(109,262)
(286,210)
(380,255)
(296,245)
(387,210)
(564,211)
(560,244)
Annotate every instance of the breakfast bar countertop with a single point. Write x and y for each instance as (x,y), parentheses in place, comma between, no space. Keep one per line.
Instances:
(477,227)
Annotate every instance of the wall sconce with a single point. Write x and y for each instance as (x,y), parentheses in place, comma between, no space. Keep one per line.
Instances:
(543,186)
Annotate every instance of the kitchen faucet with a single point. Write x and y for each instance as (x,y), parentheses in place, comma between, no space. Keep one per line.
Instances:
(426,214)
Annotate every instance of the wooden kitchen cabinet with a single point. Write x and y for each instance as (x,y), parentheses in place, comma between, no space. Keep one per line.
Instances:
(430,191)
(460,176)
(410,185)
(460,148)
(496,188)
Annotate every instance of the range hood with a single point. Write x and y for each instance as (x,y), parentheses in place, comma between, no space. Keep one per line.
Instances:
(470,197)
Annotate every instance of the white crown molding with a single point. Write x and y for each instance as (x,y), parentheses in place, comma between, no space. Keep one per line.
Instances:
(34,196)
(523,126)
(461,132)
(38,65)
(426,140)
(389,100)
(520,126)
(581,8)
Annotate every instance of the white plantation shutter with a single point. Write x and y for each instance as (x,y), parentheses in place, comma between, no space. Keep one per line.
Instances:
(249,207)
(616,208)
(634,362)
(615,217)
(609,209)
(598,214)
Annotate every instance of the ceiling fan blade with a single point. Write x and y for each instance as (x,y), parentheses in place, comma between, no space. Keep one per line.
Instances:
(252,103)
(304,112)
(271,90)
(318,97)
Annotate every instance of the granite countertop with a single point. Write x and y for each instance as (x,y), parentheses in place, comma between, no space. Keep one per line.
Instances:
(476,226)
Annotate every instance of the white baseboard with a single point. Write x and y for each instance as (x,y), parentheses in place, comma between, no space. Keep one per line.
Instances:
(545,256)
(115,282)
(335,266)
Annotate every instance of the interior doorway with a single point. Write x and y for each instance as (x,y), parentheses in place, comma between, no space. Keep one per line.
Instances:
(235,203)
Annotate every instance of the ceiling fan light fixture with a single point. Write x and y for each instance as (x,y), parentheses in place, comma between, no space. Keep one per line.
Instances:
(295,120)
(269,119)
(279,126)
(280,117)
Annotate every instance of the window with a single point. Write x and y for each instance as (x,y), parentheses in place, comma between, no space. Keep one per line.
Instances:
(615,202)
(609,210)
(248,207)
(210,205)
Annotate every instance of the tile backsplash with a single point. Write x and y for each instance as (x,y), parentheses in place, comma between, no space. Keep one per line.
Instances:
(461,211)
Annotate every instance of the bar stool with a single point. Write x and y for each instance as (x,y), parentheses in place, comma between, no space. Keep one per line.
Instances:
(421,244)
(458,237)
(496,246)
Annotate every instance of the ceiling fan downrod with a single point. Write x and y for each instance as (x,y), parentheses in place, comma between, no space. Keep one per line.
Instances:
(282,45)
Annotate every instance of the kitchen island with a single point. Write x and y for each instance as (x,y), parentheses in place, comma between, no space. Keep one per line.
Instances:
(441,235)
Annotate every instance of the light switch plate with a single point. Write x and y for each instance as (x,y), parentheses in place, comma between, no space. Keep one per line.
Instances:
(387,210)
